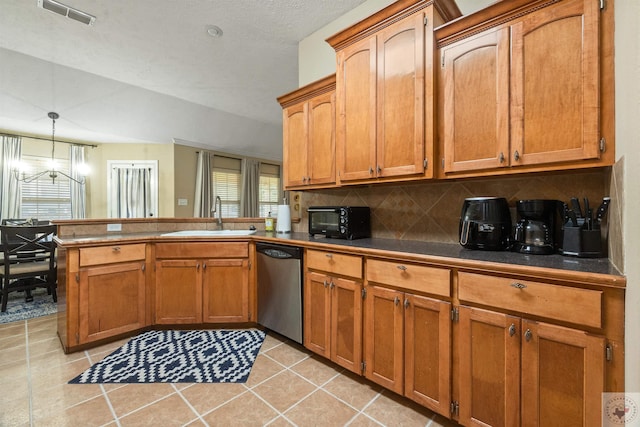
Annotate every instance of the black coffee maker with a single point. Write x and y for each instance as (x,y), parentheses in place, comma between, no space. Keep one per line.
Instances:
(536,231)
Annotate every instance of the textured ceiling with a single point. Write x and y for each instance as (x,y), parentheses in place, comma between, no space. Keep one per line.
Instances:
(146,63)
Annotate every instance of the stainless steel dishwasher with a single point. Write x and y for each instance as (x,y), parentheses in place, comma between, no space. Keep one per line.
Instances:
(280,289)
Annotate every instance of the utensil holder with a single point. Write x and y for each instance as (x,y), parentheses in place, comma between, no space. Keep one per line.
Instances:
(582,243)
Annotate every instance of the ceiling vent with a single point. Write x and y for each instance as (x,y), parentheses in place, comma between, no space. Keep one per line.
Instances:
(69,12)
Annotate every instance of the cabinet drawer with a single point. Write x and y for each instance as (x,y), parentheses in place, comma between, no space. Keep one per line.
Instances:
(346,265)
(410,277)
(202,250)
(579,306)
(111,254)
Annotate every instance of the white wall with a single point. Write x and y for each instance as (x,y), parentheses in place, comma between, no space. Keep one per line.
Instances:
(627,63)
(317,59)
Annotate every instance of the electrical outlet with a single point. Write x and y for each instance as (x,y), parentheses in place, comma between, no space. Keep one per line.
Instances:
(182,202)
(114,227)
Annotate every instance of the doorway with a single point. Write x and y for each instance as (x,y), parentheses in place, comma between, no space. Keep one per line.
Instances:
(132,188)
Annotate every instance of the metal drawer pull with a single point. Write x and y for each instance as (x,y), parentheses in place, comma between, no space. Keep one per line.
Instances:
(406,303)
(396,300)
(402,267)
(512,330)
(116,249)
(329,255)
(518,285)
(332,285)
(528,335)
(325,283)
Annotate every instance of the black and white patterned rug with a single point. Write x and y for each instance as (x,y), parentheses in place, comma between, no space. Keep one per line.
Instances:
(211,356)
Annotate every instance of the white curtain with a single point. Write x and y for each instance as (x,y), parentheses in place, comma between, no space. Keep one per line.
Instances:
(134,192)
(250,190)
(203,198)
(10,189)
(78,194)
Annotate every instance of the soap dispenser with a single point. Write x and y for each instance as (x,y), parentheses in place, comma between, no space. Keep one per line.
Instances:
(268,223)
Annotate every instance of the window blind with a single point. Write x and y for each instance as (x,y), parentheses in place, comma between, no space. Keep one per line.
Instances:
(42,198)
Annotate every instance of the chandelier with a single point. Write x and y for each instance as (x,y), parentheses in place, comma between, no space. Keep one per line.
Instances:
(53,173)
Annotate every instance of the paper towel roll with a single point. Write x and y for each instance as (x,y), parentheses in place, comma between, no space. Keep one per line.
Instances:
(283,224)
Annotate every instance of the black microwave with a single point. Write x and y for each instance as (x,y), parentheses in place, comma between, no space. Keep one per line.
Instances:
(342,222)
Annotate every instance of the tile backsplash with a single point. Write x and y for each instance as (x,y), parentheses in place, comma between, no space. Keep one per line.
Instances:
(430,211)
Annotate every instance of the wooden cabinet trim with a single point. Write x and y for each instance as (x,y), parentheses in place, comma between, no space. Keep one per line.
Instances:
(410,277)
(389,15)
(202,250)
(101,255)
(563,303)
(335,263)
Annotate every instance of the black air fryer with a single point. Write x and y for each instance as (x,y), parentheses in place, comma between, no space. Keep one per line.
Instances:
(485,223)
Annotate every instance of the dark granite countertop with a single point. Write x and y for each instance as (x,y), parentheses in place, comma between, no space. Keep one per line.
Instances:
(438,253)
(457,252)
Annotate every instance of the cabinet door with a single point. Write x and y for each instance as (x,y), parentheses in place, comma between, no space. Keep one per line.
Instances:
(489,368)
(476,102)
(295,130)
(225,290)
(562,376)
(427,352)
(346,323)
(112,300)
(321,142)
(178,291)
(384,337)
(400,98)
(317,314)
(555,84)
(356,110)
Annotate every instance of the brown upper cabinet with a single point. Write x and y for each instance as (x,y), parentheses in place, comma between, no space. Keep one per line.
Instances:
(521,89)
(385,92)
(308,119)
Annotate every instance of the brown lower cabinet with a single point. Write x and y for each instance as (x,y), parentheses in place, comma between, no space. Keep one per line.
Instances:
(407,343)
(535,373)
(112,300)
(201,283)
(333,319)
(110,286)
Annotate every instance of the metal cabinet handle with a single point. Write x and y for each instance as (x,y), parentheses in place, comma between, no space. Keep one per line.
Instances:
(332,285)
(512,330)
(116,249)
(518,285)
(329,255)
(379,169)
(198,267)
(370,170)
(516,155)
(204,265)
(402,267)
(396,300)
(501,157)
(406,303)
(528,335)
(325,283)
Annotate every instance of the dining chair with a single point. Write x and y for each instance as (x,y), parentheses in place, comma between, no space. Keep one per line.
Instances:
(29,259)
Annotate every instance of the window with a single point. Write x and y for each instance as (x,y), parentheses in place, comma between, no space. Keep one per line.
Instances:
(226,184)
(42,198)
(269,189)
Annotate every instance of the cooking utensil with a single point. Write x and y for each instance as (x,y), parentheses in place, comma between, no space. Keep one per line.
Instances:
(575,205)
(569,215)
(588,219)
(602,209)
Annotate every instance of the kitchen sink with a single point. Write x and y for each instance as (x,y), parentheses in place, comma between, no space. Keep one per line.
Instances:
(209,233)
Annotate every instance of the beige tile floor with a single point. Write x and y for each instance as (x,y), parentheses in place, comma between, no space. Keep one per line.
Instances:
(287,386)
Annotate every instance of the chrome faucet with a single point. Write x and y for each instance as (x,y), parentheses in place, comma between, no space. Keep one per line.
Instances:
(218,210)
